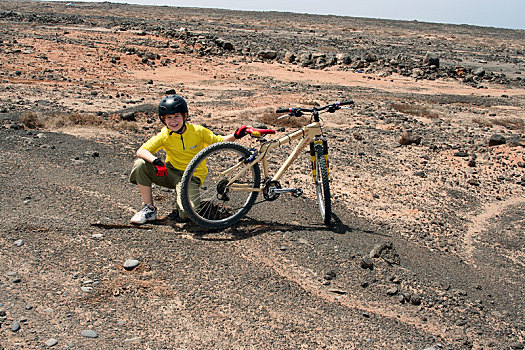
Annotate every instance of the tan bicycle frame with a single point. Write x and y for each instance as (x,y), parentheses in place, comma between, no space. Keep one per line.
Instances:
(307,133)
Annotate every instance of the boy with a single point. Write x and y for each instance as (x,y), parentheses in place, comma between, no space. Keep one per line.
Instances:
(181,141)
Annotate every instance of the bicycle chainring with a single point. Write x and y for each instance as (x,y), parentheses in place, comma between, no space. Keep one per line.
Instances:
(222,190)
(268,194)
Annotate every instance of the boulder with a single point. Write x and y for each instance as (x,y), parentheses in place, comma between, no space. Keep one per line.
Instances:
(497,139)
(267,54)
(343,58)
(431,59)
(289,57)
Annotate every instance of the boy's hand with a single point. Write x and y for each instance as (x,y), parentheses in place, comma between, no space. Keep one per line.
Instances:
(160,167)
(240,132)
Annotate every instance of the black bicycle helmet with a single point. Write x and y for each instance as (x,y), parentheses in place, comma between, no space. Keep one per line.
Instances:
(172,104)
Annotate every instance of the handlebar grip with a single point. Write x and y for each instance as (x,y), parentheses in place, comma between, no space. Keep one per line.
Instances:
(283,110)
(343,103)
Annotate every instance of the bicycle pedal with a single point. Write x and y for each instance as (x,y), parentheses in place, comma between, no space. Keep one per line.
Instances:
(297,192)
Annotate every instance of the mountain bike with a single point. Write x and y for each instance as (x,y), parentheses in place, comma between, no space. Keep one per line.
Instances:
(234,172)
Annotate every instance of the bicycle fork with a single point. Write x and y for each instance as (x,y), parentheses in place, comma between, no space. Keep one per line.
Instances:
(325,154)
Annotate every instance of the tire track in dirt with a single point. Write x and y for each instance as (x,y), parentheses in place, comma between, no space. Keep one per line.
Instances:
(106,197)
(481,223)
(264,254)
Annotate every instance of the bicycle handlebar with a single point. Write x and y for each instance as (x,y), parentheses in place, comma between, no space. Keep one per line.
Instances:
(297,111)
(283,110)
(259,132)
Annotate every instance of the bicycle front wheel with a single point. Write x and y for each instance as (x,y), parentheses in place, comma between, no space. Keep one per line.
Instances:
(322,186)
(221,201)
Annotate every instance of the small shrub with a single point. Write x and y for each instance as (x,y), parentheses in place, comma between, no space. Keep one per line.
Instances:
(32,120)
(291,122)
(415,110)
(85,119)
(511,123)
(483,122)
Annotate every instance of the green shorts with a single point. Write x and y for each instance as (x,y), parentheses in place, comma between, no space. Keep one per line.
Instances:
(143,173)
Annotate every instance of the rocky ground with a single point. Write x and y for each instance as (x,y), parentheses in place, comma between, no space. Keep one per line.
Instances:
(426,249)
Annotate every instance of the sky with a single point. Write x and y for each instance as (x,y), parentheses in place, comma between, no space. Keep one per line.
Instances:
(488,13)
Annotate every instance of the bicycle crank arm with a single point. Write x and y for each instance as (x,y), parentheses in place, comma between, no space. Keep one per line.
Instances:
(296,192)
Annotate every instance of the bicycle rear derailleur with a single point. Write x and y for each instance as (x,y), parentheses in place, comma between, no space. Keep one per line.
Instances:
(272,190)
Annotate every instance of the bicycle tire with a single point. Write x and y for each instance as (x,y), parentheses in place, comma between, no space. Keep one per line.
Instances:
(322,185)
(219,206)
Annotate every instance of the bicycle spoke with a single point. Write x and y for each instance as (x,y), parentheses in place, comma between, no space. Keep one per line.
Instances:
(228,189)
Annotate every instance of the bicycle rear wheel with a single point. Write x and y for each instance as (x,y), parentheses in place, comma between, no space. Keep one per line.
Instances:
(220,203)
(322,186)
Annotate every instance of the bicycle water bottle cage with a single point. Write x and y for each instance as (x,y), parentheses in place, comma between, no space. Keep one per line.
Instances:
(251,157)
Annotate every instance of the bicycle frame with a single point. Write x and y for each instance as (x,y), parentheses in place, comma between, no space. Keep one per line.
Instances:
(307,134)
(234,180)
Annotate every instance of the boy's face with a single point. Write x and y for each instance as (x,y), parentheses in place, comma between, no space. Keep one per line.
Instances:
(175,121)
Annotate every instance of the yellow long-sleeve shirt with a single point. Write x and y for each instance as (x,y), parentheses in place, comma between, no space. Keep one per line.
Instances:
(181,148)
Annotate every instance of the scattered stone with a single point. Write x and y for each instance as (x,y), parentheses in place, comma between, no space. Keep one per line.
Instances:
(461,154)
(392,291)
(88,333)
(130,264)
(330,275)
(497,139)
(367,263)
(132,340)
(51,342)
(409,139)
(415,299)
(387,252)
(338,291)
(517,346)
(289,57)
(15,327)
(474,182)
(343,58)
(227,45)
(431,59)
(267,54)
(479,72)
(86,289)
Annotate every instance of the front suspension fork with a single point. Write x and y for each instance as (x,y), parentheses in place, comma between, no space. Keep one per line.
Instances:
(325,154)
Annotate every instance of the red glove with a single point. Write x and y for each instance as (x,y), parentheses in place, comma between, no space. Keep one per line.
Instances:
(240,132)
(160,167)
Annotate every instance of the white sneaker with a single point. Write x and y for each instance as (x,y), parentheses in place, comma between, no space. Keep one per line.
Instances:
(145,215)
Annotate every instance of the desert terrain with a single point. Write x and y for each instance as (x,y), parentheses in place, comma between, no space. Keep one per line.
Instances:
(427,178)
